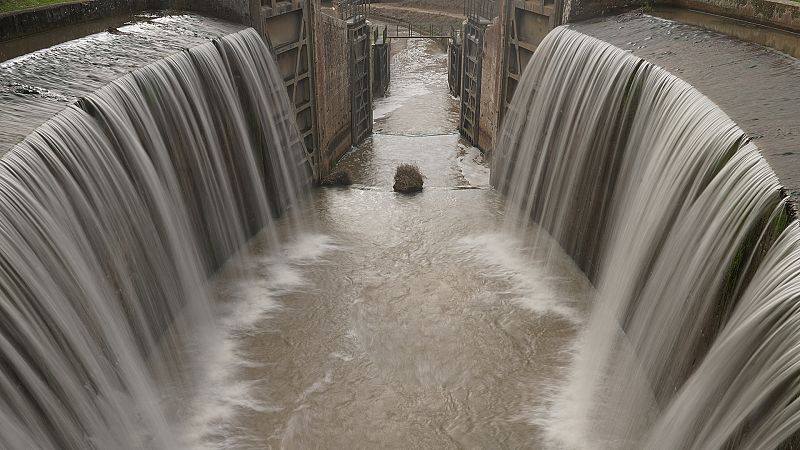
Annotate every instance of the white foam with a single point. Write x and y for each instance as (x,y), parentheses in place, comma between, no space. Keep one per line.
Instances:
(252,298)
(534,283)
(545,282)
(473,167)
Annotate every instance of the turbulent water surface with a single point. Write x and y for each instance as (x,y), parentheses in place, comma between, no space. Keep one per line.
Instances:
(169,282)
(403,321)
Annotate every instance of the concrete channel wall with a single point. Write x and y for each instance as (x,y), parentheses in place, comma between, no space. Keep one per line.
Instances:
(490,87)
(778,13)
(333,89)
(239,11)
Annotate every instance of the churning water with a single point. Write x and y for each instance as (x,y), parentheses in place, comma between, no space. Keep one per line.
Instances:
(113,214)
(682,226)
(137,314)
(150,297)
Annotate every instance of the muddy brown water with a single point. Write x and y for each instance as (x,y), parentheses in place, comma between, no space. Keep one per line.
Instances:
(400,321)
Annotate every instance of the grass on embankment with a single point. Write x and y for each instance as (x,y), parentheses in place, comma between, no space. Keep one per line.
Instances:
(16,5)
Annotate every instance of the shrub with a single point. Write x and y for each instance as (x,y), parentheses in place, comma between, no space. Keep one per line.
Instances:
(407,179)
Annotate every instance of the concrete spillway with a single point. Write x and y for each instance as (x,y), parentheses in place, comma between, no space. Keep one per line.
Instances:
(38,85)
(114,212)
(755,85)
(150,297)
(670,209)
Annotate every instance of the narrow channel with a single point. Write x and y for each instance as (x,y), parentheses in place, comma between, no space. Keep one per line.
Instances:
(395,321)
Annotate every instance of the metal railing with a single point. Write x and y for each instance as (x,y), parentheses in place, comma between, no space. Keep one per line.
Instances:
(352,9)
(408,30)
(480,10)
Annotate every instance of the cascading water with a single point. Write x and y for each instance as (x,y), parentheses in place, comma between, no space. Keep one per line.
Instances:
(682,227)
(113,214)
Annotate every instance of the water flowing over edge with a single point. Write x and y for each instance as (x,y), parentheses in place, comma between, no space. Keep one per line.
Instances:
(113,214)
(683,228)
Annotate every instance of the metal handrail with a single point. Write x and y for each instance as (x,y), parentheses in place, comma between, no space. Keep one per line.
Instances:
(405,30)
(352,9)
(480,10)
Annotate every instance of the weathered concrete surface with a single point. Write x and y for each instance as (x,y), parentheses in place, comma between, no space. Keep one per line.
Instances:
(577,10)
(781,40)
(779,13)
(14,48)
(332,70)
(34,89)
(240,11)
(35,20)
(491,100)
(21,23)
(759,88)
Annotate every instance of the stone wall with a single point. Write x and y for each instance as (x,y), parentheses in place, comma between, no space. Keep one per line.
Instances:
(491,100)
(332,70)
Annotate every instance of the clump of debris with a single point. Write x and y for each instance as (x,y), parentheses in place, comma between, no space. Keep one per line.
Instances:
(408,179)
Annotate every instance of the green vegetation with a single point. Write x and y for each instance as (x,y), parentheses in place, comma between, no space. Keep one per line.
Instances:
(16,5)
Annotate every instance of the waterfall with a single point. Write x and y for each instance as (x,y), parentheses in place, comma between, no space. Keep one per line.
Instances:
(682,227)
(113,213)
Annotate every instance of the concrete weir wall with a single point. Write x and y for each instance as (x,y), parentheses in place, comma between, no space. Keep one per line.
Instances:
(288,26)
(762,97)
(17,24)
(779,13)
(784,14)
(234,10)
(490,87)
(333,90)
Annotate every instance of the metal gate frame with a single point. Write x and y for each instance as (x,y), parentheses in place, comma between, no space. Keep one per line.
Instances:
(472,71)
(454,52)
(286,25)
(381,63)
(358,32)
(526,24)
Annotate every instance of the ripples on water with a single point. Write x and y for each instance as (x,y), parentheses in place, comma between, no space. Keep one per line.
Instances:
(421,323)
(386,320)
